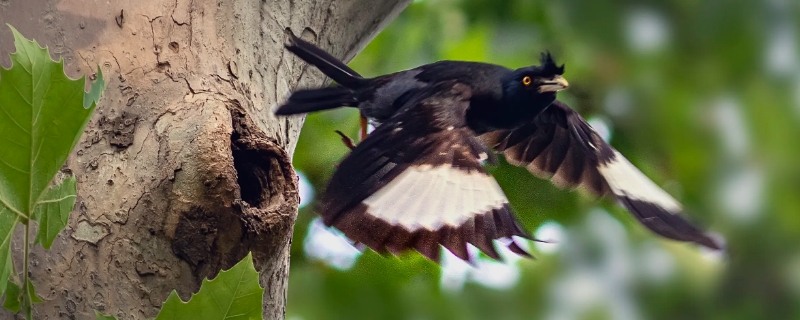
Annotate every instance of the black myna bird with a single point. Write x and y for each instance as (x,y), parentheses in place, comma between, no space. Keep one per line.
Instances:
(417,181)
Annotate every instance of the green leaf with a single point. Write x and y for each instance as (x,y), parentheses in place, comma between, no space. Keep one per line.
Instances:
(91,98)
(52,210)
(13,301)
(233,294)
(34,297)
(42,116)
(100,316)
(13,297)
(8,221)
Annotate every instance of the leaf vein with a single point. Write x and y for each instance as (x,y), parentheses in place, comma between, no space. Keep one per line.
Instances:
(56,200)
(14,210)
(12,167)
(35,118)
(14,142)
(15,121)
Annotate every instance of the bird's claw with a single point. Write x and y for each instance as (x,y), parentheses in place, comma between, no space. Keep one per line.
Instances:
(346,140)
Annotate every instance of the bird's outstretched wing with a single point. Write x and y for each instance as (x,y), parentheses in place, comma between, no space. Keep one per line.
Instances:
(560,145)
(417,182)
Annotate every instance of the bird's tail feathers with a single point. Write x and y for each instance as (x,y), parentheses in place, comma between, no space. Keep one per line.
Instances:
(325,62)
(310,100)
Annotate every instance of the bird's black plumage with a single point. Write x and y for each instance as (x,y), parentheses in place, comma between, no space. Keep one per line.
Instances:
(380,97)
(417,181)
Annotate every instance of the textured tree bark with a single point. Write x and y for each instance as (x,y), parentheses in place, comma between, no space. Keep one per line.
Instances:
(183,169)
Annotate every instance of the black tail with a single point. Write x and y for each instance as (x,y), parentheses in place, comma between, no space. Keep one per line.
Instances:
(309,100)
(325,62)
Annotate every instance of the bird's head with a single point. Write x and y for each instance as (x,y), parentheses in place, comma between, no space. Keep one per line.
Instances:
(535,87)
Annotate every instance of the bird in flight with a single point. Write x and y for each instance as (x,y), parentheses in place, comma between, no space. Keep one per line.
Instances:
(418,182)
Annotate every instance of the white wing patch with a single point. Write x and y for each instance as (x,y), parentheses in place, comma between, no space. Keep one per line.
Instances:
(626,180)
(427,197)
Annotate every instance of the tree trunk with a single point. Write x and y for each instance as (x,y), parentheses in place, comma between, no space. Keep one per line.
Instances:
(183,169)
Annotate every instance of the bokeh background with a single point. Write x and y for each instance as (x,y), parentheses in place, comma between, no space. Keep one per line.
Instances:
(703,96)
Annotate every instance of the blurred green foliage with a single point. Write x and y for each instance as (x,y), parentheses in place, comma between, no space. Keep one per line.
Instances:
(701,95)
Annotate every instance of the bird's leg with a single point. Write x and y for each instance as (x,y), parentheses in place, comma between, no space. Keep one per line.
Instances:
(363,133)
(346,140)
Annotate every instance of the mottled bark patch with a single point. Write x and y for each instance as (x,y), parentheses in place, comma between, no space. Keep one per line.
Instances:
(195,236)
(119,130)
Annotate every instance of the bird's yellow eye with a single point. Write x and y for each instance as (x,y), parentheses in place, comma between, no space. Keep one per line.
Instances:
(527,80)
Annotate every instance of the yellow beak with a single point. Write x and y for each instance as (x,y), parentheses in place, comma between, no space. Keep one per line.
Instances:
(556,84)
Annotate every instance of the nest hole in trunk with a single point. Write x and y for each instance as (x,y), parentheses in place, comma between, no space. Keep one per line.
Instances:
(252,165)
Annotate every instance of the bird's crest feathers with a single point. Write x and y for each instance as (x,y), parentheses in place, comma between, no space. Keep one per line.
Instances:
(549,66)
